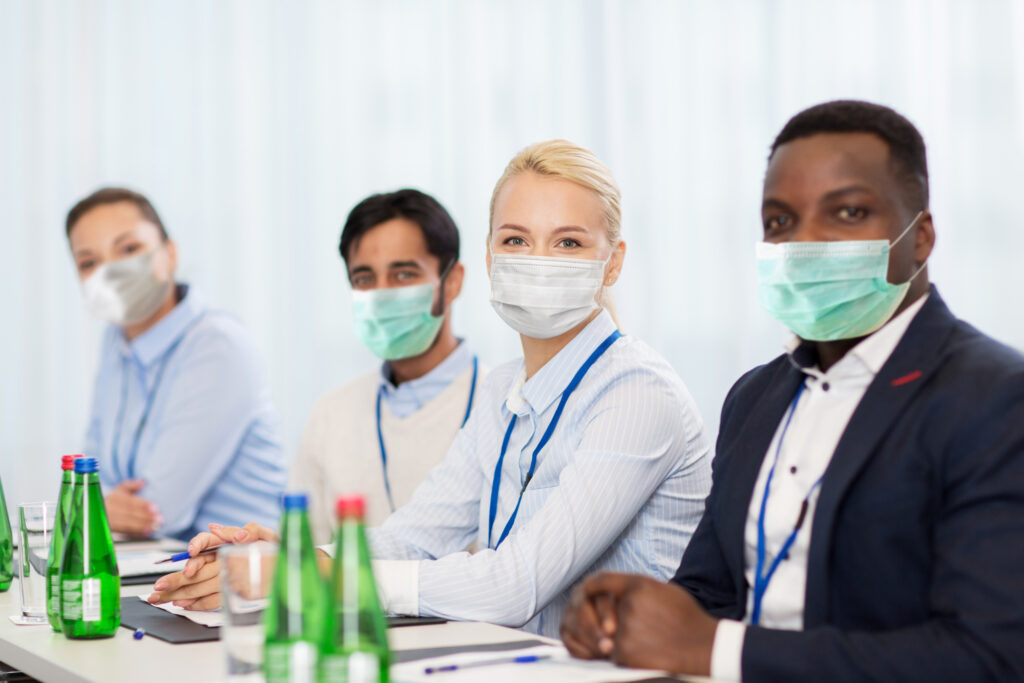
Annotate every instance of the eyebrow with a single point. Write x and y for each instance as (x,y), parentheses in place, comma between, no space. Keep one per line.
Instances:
(405,264)
(772,203)
(123,236)
(556,231)
(850,189)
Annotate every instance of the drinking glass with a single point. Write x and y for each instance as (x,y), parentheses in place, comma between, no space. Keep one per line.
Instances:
(246,570)
(35,521)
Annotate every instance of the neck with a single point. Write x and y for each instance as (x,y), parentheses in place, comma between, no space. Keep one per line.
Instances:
(537,352)
(166,306)
(830,352)
(406,369)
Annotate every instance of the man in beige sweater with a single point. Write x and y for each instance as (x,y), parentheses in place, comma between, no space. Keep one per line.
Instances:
(381,433)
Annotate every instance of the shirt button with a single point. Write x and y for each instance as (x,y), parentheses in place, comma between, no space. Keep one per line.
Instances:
(824,386)
(792,470)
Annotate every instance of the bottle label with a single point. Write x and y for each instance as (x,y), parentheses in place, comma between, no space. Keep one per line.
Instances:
(71,602)
(54,582)
(290,662)
(355,667)
(91,594)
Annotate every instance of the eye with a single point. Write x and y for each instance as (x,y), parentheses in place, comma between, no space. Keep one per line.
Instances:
(403,275)
(776,223)
(568,243)
(852,213)
(362,282)
(515,242)
(84,266)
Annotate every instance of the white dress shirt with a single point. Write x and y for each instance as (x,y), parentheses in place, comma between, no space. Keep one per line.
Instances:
(620,486)
(818,421)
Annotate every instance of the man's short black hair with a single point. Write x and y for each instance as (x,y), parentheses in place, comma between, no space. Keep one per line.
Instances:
(113,195)
(438,228)
(906,146)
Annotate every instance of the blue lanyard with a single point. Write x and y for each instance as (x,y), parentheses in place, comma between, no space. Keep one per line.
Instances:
(761,579)
(380,434)
(147,408)
(496,481)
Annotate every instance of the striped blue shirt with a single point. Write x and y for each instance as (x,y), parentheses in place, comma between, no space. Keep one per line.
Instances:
(619,487)
(186,407)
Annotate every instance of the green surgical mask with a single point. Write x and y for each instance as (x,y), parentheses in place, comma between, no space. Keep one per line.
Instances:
(396,323)
(825,291)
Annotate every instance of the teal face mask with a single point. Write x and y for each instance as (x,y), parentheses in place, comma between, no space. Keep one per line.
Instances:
(825,291)
(396,323)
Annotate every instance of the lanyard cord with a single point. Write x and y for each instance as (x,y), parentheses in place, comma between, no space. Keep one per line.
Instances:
(496,481)
(762,579)
(147,407)
(380,433)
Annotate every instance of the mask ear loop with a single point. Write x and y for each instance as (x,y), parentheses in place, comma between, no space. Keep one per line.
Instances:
(904,234)
(439,306)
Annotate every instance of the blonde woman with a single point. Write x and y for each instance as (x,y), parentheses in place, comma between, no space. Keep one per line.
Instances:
(586,454)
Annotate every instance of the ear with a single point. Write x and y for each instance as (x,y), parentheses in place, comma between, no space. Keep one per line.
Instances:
(618,255)
(924,238)
(487,258)
(453,284)
(172,255)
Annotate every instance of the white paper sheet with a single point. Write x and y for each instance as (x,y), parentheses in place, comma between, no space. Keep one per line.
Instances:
(210,618)
(141,562)
(561,667)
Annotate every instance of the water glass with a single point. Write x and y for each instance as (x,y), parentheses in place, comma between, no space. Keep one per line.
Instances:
(246,570)
(36,535)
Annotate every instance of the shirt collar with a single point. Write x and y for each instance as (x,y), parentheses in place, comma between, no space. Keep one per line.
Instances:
(155,342)
(871,353)
(444,373)
(540,391)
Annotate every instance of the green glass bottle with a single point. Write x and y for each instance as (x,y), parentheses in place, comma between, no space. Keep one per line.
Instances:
(354,648)
(298,601)
(90,586)
(6,546)
(67,466)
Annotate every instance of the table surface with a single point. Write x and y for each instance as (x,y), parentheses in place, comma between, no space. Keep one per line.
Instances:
(51,657)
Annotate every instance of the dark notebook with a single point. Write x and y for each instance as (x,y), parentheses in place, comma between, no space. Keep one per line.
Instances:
(173,628)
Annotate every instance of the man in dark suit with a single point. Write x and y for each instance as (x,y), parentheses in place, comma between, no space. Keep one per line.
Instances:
(866,520)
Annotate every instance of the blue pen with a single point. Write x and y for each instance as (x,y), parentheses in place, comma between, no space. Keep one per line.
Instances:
(524,659)
(178,557)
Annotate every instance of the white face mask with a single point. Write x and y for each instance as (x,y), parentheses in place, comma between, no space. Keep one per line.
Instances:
(544,296)
(125,292)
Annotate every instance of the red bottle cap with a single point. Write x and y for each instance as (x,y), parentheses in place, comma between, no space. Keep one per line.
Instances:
(353,505)
(67,462)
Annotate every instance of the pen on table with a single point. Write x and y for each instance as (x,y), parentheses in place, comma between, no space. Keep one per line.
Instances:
(177,557)
(524,659)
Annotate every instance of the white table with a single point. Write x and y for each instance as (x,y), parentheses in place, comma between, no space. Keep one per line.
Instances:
(52,658)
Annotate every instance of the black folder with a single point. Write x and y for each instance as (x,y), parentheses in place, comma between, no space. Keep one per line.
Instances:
(174,628)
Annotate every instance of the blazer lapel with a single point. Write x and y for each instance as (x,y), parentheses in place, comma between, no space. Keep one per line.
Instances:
(744,459)
(908,369)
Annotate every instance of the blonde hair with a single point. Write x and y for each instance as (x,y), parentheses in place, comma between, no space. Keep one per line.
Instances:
(568,161)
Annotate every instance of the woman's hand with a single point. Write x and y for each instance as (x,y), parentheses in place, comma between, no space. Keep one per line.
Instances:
(197,586)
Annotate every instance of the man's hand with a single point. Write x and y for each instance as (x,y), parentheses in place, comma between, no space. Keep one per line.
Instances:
(129,513)
(197,586)
(654,625)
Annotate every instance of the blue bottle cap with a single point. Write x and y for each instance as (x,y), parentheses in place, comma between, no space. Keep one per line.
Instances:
(295,501)
(86,466)
(138,634)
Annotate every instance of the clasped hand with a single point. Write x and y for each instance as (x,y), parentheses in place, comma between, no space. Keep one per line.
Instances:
(639,622)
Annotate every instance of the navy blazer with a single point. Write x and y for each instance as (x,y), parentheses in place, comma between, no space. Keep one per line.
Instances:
(915,569)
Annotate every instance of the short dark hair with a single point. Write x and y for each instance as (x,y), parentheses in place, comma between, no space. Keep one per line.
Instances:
(906,146)
(113,195)
(438,228)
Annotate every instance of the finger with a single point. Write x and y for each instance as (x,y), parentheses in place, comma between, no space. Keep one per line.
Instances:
(581,625)
(604,609)
(132,485)
(254,532)
(209,602)
(193,590)
(184,603)
(577,648)
(202,541)
(197,564)
(610,583)
(225,534)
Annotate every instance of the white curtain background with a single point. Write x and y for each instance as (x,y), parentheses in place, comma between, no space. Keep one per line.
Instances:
(255,126)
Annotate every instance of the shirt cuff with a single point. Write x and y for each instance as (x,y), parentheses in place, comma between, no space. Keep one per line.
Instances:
(727,651)
(398,585)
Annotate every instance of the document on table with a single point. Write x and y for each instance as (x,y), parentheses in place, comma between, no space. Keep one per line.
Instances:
(211,618)
(144,562)
(558,666)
